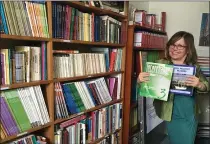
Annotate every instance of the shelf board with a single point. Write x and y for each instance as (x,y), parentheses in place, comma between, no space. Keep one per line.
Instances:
(134,105)
(92,9)
(100,139)
(134,129)
(87,111)
(138,27)
(27,38)
(87,43)
(148,49)
(86,76)
(10,138)
(25,84)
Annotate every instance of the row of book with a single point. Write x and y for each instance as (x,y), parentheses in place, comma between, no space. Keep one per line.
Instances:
(75,97)
(30,139)
(204,63)
(87,128)
(24,18)
(153,21)
(115,6)
(22,109)
(134,117)
(141,57)
(70,23)
(111,139)
(149,40)
(70,63)
(23,64)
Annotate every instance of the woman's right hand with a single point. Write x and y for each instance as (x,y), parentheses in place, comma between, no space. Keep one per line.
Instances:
(143,77)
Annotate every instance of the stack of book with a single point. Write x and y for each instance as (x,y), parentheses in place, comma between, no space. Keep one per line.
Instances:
(84,129)
(22,109)
(204,65)
(23,64)
(24,18)
(149,40)
(70,63)
(75,97)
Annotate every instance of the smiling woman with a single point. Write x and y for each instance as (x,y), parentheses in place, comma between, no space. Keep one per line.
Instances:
(181,48)
(179,110)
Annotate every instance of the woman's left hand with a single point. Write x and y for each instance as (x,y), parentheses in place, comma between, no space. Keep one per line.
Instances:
(192,81)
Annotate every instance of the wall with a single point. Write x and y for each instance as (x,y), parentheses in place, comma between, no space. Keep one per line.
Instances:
(183,16)
(140,5)
(180,16)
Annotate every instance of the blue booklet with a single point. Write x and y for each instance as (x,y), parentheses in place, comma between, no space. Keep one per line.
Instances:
(180,74)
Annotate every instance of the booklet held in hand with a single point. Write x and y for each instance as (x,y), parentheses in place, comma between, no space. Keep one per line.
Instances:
(159,82)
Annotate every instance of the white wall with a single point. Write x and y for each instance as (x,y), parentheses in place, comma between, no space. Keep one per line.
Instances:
(183,16)
(140,5)
(180,16)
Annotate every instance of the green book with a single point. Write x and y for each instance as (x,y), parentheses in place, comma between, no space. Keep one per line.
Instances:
(76,96)
(17,109)
(159,81)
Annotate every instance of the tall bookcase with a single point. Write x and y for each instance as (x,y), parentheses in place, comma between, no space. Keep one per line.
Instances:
(6,41)
(130,83)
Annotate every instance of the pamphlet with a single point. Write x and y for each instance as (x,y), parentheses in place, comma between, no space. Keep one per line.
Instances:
(159,82)
(180,74)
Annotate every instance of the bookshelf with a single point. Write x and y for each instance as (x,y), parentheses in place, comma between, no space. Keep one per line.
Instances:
(48,85)
(131,75)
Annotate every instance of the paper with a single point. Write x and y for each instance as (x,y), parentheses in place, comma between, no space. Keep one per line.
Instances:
(159,81)
(180,74)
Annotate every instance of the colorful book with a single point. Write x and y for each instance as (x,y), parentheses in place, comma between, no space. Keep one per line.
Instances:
(180,74)
(17,110)
(159,81)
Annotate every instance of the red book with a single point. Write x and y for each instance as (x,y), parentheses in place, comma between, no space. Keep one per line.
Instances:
(72,121)
(65,136)
(143,39)
(163,20)
(112,59)
(93,125)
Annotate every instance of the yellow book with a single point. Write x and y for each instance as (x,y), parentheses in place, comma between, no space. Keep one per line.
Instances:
(5,52)
(86,27)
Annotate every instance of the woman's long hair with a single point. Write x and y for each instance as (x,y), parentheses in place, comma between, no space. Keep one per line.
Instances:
(189,40)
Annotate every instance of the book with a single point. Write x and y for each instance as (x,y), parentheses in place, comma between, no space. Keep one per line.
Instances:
(180,73)
(159,81)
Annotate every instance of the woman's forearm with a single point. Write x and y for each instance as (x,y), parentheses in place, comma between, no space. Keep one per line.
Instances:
(201,86)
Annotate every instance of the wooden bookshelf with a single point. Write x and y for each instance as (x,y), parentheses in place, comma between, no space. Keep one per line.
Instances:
(131,50)
(88,43)
(48,129)
(87,111)
(26,84)
(139,27)
(86,76)
(25,38)
(98,11)
(102,138)
(147,49)
(10,138)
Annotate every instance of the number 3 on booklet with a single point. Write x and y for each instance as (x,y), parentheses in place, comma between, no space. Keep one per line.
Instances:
(159,82)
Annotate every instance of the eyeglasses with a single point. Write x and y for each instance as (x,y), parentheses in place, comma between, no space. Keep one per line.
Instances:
(179,47)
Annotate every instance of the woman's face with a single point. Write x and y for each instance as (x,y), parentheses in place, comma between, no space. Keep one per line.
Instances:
(178,50)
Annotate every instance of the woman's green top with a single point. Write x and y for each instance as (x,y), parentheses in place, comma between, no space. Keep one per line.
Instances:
(164,108)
